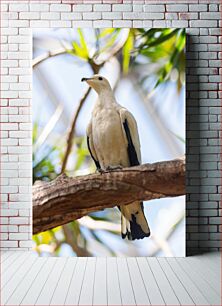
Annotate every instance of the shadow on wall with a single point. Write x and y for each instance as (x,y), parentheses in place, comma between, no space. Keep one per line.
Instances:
(193,128)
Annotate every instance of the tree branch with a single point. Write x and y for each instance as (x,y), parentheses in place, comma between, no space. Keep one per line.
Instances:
(41,58)
(65,199)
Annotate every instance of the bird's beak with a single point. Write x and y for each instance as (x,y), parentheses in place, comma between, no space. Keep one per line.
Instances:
(85,79)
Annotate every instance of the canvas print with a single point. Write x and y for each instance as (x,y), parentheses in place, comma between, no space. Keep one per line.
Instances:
(109,142)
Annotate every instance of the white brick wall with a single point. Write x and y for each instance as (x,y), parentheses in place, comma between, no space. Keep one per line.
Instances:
(201,17)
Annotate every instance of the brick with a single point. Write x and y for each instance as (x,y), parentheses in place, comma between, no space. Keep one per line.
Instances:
(24,212)
(24,47)
(19,149)
(9,173)
(60,24)
(19,220)
(137,23)
(208,212)
(210,244)
(29,15)
(82,8)
(207,55)
(9,142)
(180,23)
(24,31)
(171,16)
(60,7)
(19,71)
(122,23)
(215,78)
(213,7)
(199,236)
(215,236)
(102,7)
(112,15)
(214,47)
(3,220)
(18,7)
(147,23)
(102,23)
(4,236)
(9,63)
(207,15)
(138,15)
(92,15)
(137,8)
(121,7)
(39,7)
(71,16)
(18,236)
(177,8)
(24,229)
(25,244)
(19,102)
(4,7)
(18,23)
(19,118)
(187,16)
(82,23)
(39,24)
(18,55)
(215,63)
(9,126)
(9,31)
(197,7)
(9,212)
(203,23)
(215,31)
(9,244)
(154,8)
(51,15)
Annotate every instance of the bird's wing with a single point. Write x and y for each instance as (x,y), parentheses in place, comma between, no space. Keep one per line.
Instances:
(91,146)
(130,131)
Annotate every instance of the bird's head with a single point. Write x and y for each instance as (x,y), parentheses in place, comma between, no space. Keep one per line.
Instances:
(98,83)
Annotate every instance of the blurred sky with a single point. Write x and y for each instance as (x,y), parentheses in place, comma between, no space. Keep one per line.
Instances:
(58,80)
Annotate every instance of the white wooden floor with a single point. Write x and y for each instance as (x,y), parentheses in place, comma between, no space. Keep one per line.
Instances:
(30,280)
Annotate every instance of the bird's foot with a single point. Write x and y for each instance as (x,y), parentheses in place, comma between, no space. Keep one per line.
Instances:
(101,171)
(113,168)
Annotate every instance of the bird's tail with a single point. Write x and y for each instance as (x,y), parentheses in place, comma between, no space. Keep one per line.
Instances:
(133,221)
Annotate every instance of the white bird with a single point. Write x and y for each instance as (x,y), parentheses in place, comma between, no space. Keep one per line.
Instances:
(113,142)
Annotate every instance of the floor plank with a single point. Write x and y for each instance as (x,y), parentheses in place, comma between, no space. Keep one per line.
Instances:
(127,294)
(213,279)
(46,294)
(10,261)
(61,290)
(5,255)
(190,286)
(38,283)
(21,290)
(211,260)
(28,279)
(151,285)
(207,291)
(86,294)
(181,293)
(74,290)
(113,286)
(100,284)
(166,289)
(11,286)
(12,270)
(139,289)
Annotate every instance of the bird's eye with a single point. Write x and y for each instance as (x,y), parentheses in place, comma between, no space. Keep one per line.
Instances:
(100,78)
